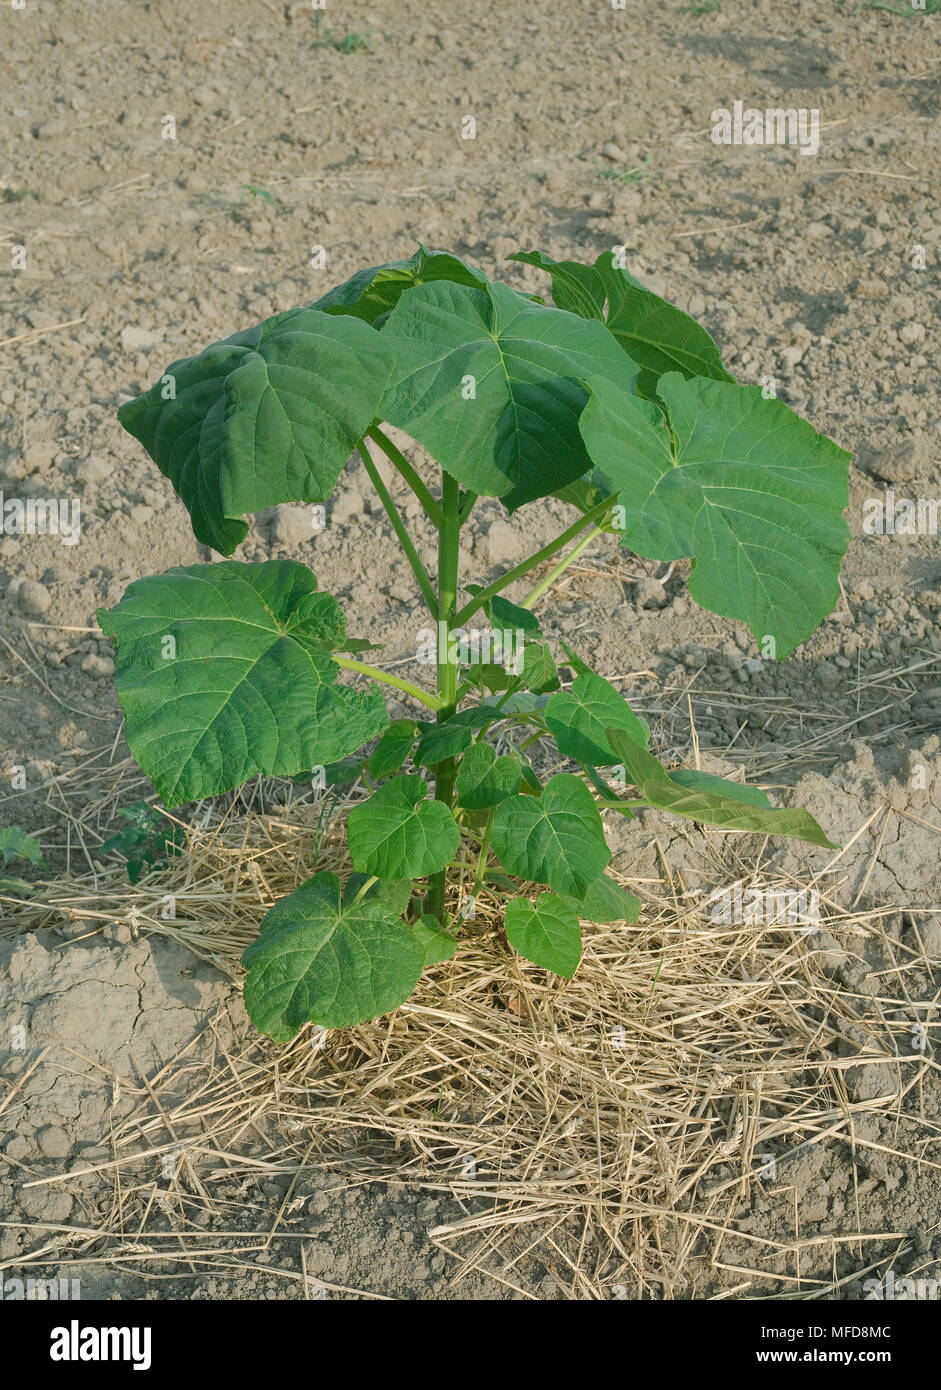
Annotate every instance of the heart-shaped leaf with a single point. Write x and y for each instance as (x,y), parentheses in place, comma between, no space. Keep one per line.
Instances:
(319,960)
(577,719)
(266,416)
(556,838)
(739,484)
(400,833)
(224,671)
(546,932)
(494,385)
(484,779)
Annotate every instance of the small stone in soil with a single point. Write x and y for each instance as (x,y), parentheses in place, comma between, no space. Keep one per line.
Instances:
(34,598)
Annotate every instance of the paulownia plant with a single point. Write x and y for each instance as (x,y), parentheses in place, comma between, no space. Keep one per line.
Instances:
(612,400)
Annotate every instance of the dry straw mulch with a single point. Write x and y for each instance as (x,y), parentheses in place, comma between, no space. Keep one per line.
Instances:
(600,1136)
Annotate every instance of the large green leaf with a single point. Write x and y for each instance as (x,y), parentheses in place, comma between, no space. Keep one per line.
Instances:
(484,779)
(400,833)
(494,385)
(320,960)
(546,932)
(224,671)
(731,812)
(738,483)
(556,838)
(373,292)
(654,333)
(266,416)
(577,719)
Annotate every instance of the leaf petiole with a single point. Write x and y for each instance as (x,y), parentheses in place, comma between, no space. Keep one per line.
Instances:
(399,461)
(422,696)
(484,596)
(482,857)
(398,526)
(558,570)
(364,889)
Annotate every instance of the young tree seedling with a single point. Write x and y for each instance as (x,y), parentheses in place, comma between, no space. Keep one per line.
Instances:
(613,401)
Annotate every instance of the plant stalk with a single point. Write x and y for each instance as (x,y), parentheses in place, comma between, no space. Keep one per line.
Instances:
(448,555)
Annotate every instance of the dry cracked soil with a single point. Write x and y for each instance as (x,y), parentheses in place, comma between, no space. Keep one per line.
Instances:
(342,129)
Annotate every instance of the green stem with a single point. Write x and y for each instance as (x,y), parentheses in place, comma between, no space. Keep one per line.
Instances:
(448,557)
(398,526)
(429,701)
(524,567)
(482,857)
(399,461)
(561,567)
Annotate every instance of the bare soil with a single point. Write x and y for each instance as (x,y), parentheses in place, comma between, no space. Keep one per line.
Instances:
(345,132)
